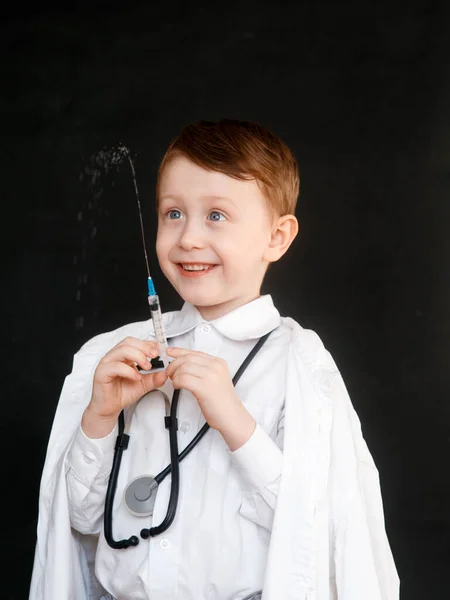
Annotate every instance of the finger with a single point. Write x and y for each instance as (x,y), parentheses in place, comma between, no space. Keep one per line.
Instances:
(143,345)
(199,359)
(110,371)
(151,381)
(177,352)
(130,354)
(190,368)
(186,381)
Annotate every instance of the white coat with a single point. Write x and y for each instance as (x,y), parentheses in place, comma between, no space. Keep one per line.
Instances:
(328,540)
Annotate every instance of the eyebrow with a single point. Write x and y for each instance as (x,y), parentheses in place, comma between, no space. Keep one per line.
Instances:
(209,197)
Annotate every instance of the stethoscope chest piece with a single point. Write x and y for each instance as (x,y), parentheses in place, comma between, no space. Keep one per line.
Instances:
(140,496)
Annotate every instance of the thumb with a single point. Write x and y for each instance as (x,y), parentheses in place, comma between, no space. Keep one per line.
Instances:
(151,381)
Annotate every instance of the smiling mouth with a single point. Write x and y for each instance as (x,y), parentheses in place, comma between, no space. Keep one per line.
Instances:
(195,269)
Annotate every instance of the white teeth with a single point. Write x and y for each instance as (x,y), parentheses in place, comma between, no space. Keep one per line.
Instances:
(197,267)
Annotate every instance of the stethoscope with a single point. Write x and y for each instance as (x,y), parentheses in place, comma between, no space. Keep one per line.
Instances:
(140,494)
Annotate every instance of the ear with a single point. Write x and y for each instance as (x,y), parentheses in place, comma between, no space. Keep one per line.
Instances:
(283,232)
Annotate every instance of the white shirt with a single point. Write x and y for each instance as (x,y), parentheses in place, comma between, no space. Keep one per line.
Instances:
(216,548)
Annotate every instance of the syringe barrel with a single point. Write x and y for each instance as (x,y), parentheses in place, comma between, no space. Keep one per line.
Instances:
(155,311)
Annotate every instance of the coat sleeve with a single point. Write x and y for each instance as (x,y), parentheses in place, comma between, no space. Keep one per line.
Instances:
(362,555)
(328,540)
(63,562)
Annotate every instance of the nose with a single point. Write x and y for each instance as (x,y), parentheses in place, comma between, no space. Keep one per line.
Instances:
(191,236)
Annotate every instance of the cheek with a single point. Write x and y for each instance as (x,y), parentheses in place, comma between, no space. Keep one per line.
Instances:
(241,256)
(248,246)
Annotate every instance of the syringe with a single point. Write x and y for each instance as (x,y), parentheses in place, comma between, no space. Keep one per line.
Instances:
(155,311)
(153,299)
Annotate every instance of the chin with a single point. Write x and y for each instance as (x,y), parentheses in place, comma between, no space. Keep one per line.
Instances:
(201,300)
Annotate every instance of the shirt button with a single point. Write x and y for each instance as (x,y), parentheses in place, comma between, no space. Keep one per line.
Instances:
(185,426)
(206,328)
(164,544)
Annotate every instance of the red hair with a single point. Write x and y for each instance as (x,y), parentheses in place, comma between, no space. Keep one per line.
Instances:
(242,150)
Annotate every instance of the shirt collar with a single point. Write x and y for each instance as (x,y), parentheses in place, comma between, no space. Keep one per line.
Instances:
(250,321)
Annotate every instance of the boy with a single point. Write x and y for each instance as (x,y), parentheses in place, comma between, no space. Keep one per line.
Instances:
(281,494)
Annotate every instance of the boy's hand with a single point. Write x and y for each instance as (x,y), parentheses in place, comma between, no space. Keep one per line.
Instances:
(118,384)
(208,379)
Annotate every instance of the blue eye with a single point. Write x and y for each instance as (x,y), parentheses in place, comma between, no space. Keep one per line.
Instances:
(176,214)
(216,216)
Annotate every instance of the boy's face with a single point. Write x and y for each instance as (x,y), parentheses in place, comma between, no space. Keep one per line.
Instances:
(222,225)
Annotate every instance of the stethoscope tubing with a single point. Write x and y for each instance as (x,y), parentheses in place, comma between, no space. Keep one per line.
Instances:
(174,467)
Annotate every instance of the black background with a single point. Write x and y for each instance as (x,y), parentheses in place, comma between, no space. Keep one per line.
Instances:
(361,92)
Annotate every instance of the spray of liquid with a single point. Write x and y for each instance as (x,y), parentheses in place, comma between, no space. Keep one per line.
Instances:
(97,169)
(104,160)
(101,163)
